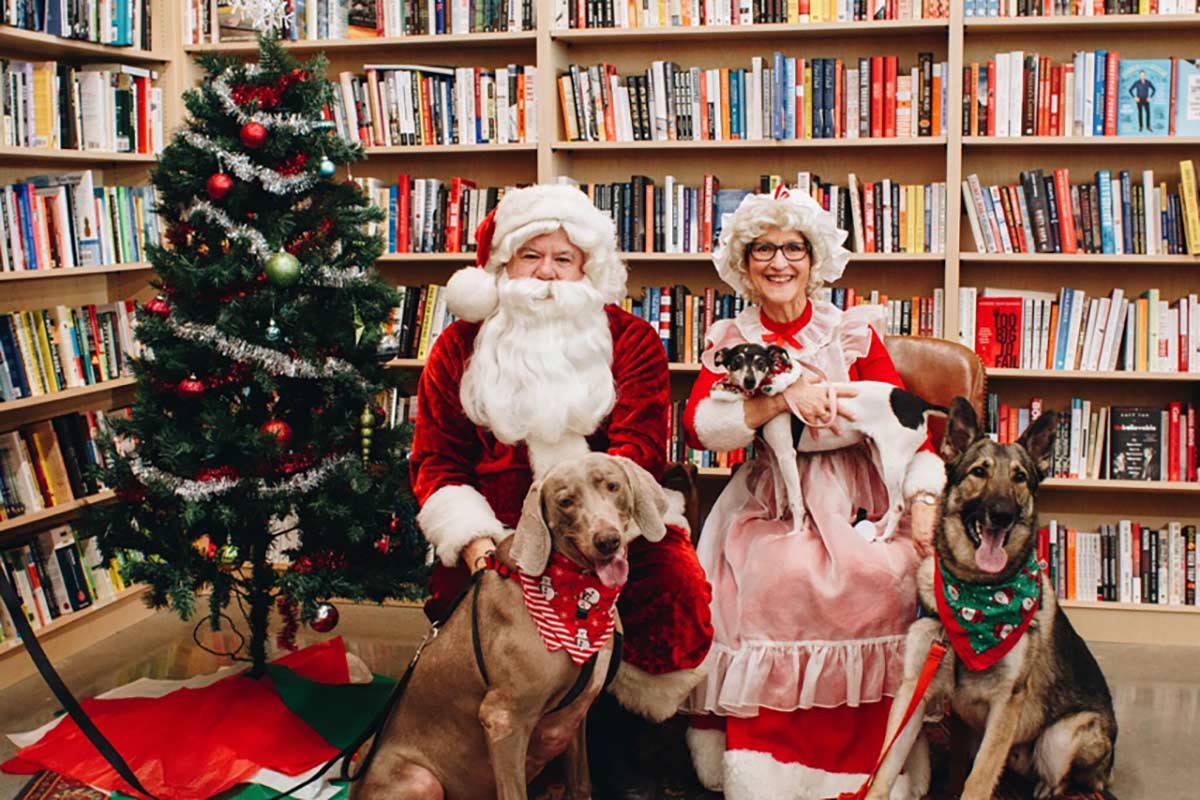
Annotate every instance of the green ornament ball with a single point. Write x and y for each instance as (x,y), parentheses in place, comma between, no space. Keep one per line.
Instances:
(283,269)
(326,168)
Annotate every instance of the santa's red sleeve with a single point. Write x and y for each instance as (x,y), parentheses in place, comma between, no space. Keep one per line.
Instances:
(637,427)
(714,423)
(926,471)
(445,450)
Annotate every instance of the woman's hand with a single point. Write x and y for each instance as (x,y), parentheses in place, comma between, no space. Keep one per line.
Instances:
(811,401)
(474,555)
(924,520)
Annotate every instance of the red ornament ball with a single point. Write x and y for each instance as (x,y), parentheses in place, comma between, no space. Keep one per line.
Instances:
(326,618)
(253,135)
(157,306)
(383,544)
(190,387)
(219,185)
(280,430)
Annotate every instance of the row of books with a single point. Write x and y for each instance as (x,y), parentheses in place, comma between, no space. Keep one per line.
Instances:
(1118,212)
(400,105)
(1109,442)
(1027,329)
(56,575)
(1076,8)
(49,350)
(121,23)
(1123,562)
(92,107)
(428,215)
(51,462)
(69,220)
(419,319)
(678,451)
(783,97)
(1018,93)
(907,316)
(688,13)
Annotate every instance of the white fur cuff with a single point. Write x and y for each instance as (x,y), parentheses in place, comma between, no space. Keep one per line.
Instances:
(455,515)
(676,508)
(721,424)
(655,697)
(926,473)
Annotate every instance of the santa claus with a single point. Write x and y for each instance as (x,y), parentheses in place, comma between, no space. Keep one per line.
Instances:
(541,367)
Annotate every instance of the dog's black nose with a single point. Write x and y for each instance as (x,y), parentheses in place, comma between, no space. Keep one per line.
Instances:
(607,542)
(748,382)
(1002,514)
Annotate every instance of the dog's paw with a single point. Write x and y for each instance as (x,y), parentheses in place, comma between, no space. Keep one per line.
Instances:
(1046,791)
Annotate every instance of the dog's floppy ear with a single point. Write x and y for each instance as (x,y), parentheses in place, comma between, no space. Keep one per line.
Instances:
(719,357)
(531,542)
(962,429)
(1038,441)
(649,499)
(779,357)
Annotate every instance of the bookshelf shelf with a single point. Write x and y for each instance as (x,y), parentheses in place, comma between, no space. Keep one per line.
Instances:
(753,144)
(371,44)
(1102,24)
(1081,141)
(1148,607)
(44,46)
(718,33)
(1065,259)
(1105,485)
(1006,373)
(682,258)
(102,396)
(8,155)
(1134,623)
(73,272)
(11,529)
(75,632)
(452,149)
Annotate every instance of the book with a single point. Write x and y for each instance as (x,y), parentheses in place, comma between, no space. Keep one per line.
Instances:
(1143,97)
(1134,443)
(1187,97)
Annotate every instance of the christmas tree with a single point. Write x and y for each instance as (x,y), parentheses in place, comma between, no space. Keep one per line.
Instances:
(258,437)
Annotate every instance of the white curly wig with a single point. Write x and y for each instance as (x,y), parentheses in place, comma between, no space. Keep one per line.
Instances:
(790,211)
(521,215)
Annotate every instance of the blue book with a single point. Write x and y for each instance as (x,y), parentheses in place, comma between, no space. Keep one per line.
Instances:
(778,107)
(12,357)
(1098,93)
(735,104)
(993,8)
(440,16)
(968,8)
(830,91)
(1066,298)
(1144,97)
(1126,211)
(393,213)
(818,98)
(21,193)
(1187,98)
(1104,183)
(789,98)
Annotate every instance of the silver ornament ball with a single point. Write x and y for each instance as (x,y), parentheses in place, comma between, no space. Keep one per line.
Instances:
(326,168)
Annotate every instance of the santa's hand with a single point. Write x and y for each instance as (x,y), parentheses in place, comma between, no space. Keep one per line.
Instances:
(475,554)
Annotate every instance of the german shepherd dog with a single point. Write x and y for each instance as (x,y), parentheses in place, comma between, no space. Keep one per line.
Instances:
(1043,708)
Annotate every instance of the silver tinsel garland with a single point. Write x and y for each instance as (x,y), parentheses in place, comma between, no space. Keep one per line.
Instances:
(340,278)
(292,123)
(272,361)
(241,165)
(189,489)
(258,242)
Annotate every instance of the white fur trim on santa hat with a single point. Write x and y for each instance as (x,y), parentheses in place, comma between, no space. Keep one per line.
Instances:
(525,213)
(721,424)
(752,775)
(454,516)
(926,473)
(707,746)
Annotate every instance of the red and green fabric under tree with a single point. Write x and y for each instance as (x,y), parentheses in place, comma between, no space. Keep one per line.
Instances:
(257,429)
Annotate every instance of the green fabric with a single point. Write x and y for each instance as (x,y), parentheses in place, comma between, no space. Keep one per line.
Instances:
(338,712)
(989,613)
(251,791)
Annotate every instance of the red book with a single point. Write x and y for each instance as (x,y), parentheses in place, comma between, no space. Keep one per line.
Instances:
(1018,230)
(1056,76)
(454,227)
(403,210)
(1174,412)
(1043,101)
(427,111)
(1066,217)
(142,85)
(869,216)
(877,81)
(998,331)
(704,112)
(1043,547)
(890,65)
(711,186)
(839,101)
(1002,424)
(991,98)
(1111,74)
(610,122)
(1191,442)
(521,106)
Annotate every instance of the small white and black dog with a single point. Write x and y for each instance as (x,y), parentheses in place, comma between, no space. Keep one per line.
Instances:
(895,420)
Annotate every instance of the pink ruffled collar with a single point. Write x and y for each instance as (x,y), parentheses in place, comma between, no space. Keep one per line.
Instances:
(807,334)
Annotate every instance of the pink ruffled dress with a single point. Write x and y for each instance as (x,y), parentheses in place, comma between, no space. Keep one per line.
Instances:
(809,624)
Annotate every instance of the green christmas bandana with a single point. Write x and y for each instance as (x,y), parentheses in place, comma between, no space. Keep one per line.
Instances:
(985,621)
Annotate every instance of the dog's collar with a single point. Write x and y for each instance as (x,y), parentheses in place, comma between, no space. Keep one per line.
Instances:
(571,608)
(985,621)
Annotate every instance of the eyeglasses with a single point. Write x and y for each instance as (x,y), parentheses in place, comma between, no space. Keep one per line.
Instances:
(764,252)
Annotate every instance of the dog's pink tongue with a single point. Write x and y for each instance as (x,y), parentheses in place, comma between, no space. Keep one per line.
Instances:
(613,572)
(990,556)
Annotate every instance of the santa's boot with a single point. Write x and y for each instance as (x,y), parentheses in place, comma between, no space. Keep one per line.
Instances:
(614,741)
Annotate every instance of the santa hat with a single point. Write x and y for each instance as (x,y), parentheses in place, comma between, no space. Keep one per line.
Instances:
(521,215)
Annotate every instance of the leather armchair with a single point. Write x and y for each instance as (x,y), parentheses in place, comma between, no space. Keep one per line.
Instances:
(939,370)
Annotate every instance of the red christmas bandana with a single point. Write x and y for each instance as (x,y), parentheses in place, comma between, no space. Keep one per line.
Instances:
(572,609)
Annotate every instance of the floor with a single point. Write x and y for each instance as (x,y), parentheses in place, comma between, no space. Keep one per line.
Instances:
(1156,690)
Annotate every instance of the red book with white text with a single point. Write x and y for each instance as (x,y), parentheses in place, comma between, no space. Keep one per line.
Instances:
(403,210)
(1191,443)
(890,66)
(1175,411)
(1111,73)
(998,331)
(1066,217)
(877,82)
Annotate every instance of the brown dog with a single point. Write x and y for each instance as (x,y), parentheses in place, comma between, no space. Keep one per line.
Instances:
(453,734)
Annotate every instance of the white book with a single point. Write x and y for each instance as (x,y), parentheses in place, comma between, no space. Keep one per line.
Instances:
(1194,335)
(1089,82)
(1101,442)
(1076,438)
(966,316)
(670,241)
(852,110)
(502,113)
(1150,217)
(1118,218)
(531,106)
(1006,241)
(856,213)
(1003,101)
(1026,357)
(1068,103)
(974,190)
(939,312)
(658,78)
(1104,313)
(887,216)
(1168,340)
(754,108)
(1089,335)
(1176,564)
(1016,82)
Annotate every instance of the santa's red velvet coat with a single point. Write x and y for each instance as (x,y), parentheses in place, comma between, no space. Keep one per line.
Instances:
(455,464)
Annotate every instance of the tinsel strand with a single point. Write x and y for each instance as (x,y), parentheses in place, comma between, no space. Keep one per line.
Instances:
(257,242)
(273,361)
(292,123)
(195,490)
(241,165)
(340,278)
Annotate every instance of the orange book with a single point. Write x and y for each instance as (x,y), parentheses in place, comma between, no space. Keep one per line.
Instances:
(1014,423)
(1053,337)
(724,80)
(839,101)
(566,101)
(689,309)
(703,106)
(610,120)
(974,99)
(937,104)
(1142,348)
(521,105)
(991,98)
(649,207)
(1072,589)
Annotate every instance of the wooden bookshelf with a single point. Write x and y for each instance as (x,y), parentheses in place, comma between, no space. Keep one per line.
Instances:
(1007,373)
(46,155)
(755,144)
(1182,488)
(1027,26)
(73,272)
(1071,259)
(1138,142)
(19,42)
(307,47)
(12,530)
(99,396)
(451,149)
(725,33)
(636,257)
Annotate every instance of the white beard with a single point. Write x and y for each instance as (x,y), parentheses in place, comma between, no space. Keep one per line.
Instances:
(541,371)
